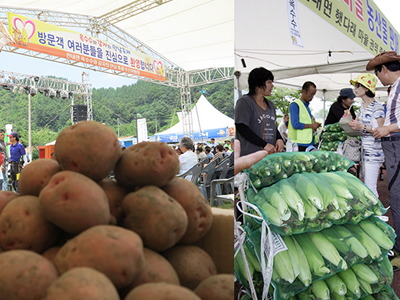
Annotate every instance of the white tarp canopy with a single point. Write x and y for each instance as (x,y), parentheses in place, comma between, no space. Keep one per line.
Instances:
(207,122)
(193,34)
(328,57)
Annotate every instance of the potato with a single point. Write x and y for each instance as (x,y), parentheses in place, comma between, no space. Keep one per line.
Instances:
(191,263)
(51,253)
(156,269)
(198,210)
(74,202)
(115,194)
(147,163)
(161,291)
(23,226)
(25,275)
(82,284)
(36,175)
(159,219)
(112,250)
(89,148)
(6,197)
(220,286)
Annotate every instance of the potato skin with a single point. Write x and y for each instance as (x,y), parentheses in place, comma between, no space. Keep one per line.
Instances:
(147,163)
(191,263)
(161,291)
(220,286)
(74,202)
(35,175)
(74,149)
(6,197)
(82,284)
(25,275)
(156,269)
(115,194)
(197,208)
(156,217)
(112,250)
(23,226)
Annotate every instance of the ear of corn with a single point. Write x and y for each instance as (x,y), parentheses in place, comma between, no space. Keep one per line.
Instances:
(328,194)
(333,177)
(314,258)
(338,297)
(310,211)
(364,273)
(306,295)
(321,290)
(240,267)
(365,286)
(327,249)
(294,257)
(271,195)
(367,193)
(305,273)
(372,248)
(355,245)
(337,240)
(307,190)
(376,234)
(341,190)
(284,266)
(272,214)
(336,285)
(252,258)
(350,279)
(291,197)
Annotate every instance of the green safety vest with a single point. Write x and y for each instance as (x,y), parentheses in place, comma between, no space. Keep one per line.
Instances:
(301,136)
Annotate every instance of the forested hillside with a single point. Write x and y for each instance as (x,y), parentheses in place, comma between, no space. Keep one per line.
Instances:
(117,108)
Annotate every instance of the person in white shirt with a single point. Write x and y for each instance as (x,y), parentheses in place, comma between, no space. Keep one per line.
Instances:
(283,127)
(188,158)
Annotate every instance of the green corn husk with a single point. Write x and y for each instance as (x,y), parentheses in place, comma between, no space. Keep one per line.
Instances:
(293,254)
(337,240)
(338,297)
(283,266)
(350,279)
(305,272)
(364,273)
(272,214)
(327,249)
(328,194)
(365,286)
(355,246)
(314,258)
(291,197)
(307,190)
(321,290)
(336,285)
(367,242)
(271,195)
(376,234)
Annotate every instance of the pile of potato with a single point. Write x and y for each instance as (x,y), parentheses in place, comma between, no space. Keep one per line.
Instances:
(75,234)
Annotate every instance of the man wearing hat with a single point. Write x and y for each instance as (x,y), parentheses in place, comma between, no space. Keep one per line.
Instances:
(387,68)
(17,159)
(343,103)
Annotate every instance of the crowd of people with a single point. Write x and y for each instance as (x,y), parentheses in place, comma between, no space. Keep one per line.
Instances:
(379,126)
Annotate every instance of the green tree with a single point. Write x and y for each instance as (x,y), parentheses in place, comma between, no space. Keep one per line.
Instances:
(282,97)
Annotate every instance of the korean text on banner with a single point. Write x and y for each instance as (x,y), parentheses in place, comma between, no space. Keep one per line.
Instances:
(46,38)
(141,130)
(360,20)
(294,23)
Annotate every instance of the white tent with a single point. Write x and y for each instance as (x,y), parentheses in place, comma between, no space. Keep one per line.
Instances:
(207,122)
(328,57)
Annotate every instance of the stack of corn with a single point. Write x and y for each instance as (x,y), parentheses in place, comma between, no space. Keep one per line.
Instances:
(337,260)
(332,136)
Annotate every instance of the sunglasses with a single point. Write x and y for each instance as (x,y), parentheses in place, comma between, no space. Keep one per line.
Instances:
(358,85)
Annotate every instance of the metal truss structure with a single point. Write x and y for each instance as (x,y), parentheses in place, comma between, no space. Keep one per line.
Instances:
(104,28)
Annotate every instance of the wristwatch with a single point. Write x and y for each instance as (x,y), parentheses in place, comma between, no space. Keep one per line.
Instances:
(365,129)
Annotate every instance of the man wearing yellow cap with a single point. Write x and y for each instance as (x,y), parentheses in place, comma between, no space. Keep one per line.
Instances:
(387,68)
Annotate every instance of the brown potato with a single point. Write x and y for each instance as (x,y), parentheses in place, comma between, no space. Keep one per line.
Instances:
(74,202)
(156,269)
(197,208)
(112,250)
(6,197)
(89,148)
(25,275)
(23,226)
(36,175)
(82,284)
(191,263)
(220,286)
(161,291)
(159,219)
(51,253)
(115,194)
(147,163)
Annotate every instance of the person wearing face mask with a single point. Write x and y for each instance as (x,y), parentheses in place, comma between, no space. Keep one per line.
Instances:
(343,105)
(255,116)
(370,111)
(302,124)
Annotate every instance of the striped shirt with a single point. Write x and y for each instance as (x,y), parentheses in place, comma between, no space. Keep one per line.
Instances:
(393,107)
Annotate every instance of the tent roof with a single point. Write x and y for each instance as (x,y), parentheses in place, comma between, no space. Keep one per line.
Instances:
(204,116)
(193,34)
(328,57)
